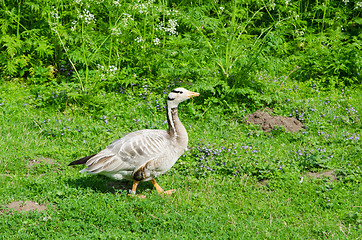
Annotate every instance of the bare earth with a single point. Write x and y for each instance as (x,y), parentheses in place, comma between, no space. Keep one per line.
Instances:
(268,122)
(21,206)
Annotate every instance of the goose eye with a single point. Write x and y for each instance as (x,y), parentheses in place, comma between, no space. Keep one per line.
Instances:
(181,92)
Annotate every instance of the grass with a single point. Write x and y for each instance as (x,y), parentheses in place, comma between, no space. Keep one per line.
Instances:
(76,75)
(256,201)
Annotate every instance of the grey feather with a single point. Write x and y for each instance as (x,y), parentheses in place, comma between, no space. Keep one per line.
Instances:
(145,154)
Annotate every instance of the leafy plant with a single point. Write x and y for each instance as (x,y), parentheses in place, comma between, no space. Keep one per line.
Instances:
(24,42)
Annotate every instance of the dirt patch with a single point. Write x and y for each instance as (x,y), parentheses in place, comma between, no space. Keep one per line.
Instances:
(33,162)
(263,182)
(268,122)
(329,174)
(21,206)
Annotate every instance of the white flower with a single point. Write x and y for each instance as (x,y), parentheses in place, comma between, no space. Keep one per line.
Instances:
(272,5)
(112,68)
(171,12)
(54,13)
(358,5)
(104,71)
(171,27)
(53,20)
(126,19)
(74,23)
(138,39)
(143,7)
(128,16)
(117,3)
(100,67)
(295,15)
(299,33)
(160,26)
(345,1)
(222,9)
(287,2)
(116,31)
(87,16)
(156,41)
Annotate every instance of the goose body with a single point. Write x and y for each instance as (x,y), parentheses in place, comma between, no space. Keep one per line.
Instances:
(145,154)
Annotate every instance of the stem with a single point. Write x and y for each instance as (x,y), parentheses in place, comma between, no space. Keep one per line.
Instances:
(164,19)
(84,55)
(324,15)
(18,25)
(65,50)
(110,52)
(91,58)
(268,11)
(111,44)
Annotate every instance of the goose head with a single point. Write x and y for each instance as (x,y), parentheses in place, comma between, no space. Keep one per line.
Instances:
(179,95)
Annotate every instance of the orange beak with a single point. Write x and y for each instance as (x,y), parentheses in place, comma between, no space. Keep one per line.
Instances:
(193,94)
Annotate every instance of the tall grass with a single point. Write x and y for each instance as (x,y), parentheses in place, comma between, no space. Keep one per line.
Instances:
(216,46)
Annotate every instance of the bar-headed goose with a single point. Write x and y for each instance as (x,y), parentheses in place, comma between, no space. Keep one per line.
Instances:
(145,154)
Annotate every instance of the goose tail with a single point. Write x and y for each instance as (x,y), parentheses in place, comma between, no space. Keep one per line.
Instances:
(81,161)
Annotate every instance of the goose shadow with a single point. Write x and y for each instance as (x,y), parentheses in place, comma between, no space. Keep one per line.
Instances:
(104,184)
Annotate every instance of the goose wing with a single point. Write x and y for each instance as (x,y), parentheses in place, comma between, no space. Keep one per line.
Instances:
(127,154)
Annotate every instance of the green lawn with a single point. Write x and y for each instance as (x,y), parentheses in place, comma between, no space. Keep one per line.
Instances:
(270,194)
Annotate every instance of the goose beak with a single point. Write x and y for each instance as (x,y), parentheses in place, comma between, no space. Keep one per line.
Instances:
(193,94)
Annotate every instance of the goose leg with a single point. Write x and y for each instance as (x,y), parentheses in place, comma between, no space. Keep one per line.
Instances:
(159,189)
(134,187)
(133,191)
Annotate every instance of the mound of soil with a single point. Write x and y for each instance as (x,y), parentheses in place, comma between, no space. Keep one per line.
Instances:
(328,174)
(268,122)
(21,206)
(33,162)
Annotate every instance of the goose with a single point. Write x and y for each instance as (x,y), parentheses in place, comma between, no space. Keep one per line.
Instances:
(145,154)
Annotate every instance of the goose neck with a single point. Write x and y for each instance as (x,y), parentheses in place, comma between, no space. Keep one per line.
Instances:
(175,128)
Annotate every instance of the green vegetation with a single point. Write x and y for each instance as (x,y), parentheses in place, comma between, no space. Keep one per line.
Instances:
(76,75)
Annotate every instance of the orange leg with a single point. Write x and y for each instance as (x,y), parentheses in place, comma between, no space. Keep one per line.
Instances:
(133,191)
(159,189)
(134,187)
